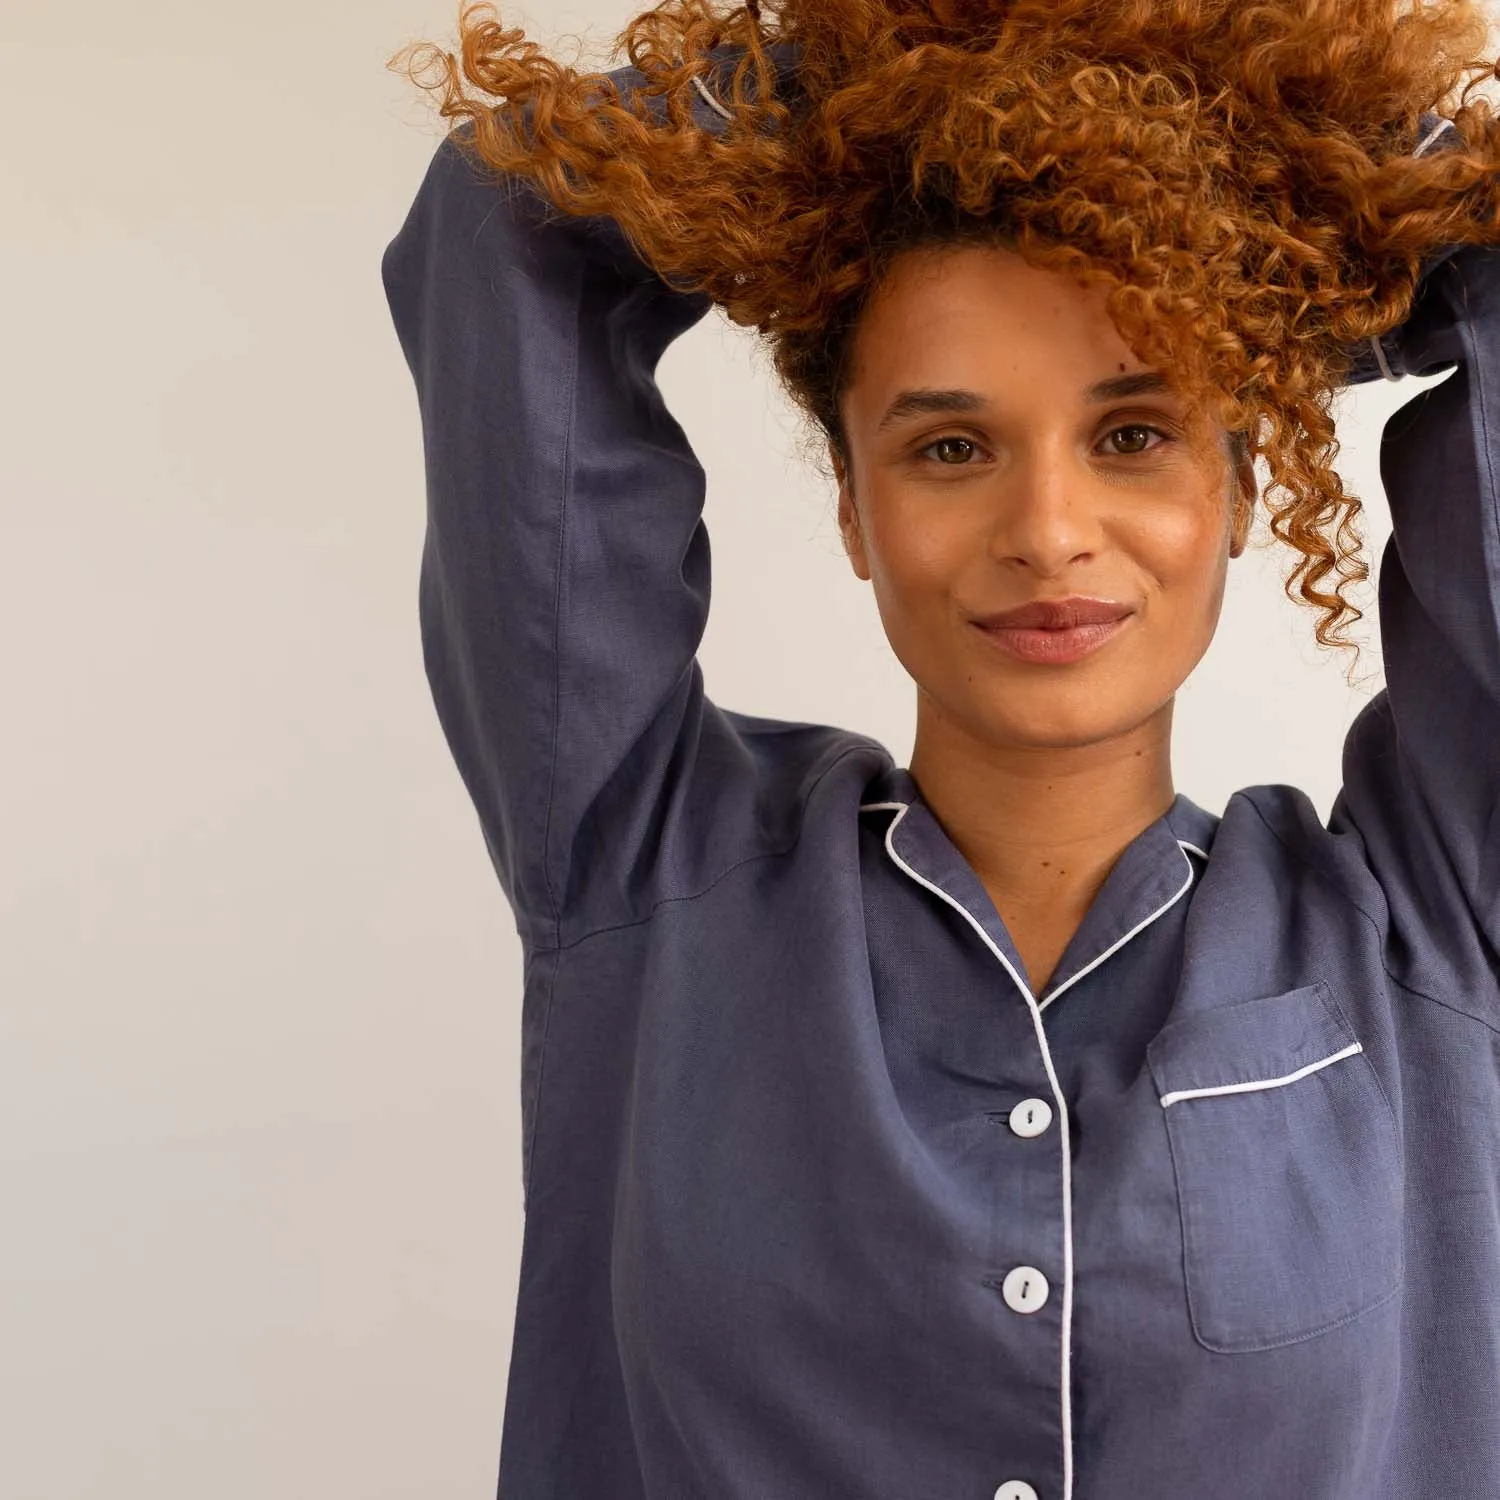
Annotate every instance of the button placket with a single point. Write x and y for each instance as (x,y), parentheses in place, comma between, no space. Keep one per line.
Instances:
(915,843)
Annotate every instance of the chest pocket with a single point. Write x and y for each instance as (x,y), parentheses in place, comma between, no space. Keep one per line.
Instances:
(1288,1168)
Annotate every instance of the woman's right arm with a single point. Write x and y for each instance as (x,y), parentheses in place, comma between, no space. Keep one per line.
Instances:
(564,584)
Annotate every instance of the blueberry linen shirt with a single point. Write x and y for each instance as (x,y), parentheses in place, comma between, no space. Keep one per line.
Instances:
(821,1203)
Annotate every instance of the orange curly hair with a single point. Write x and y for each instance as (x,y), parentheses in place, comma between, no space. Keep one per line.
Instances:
(1239,175)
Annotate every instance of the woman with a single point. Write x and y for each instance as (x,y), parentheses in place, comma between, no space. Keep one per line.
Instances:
(1005,1124)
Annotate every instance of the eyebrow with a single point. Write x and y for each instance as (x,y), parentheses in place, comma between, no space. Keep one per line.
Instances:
(925,401)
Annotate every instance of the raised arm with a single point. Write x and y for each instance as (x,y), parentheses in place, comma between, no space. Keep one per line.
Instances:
(1422,760)
(565,576)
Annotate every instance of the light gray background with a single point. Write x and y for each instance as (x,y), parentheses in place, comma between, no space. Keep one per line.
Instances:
(260,1195)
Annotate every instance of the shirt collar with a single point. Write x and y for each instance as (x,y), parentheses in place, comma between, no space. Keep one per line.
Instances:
(1154,872)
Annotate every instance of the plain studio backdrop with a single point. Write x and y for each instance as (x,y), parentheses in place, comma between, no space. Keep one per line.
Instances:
(259,988)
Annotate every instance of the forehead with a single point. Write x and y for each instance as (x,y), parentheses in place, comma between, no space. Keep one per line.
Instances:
(965,301)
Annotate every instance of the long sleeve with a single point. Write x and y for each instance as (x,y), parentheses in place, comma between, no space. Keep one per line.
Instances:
(565,575)
(1422,760)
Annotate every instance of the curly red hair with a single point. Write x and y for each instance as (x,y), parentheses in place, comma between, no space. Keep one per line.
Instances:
(1240,176)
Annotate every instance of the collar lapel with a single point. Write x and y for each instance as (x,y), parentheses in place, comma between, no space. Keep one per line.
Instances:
(1153,873)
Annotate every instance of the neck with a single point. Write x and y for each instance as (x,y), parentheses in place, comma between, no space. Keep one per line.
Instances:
(1043,826)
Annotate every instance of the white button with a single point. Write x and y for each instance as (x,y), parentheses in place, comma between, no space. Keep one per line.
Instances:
(1015,1489)
(1024,1290)
(1031,1117)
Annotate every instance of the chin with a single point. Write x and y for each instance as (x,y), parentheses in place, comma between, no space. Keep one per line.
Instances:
(1061,718)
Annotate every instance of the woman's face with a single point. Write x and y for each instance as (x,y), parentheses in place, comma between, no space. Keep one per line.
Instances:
(1039,488)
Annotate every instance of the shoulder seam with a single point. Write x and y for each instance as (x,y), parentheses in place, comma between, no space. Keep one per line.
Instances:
(1385,967)
(722,875)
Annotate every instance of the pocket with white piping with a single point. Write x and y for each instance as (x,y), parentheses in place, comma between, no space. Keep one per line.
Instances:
(1288,1169)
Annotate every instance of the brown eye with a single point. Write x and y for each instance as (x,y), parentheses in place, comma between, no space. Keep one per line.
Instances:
(945,442)
(1133,428)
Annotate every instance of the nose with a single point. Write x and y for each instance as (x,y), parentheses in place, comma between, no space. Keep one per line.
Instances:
(1047,517)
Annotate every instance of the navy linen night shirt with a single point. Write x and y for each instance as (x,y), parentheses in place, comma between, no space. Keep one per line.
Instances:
(820,1200)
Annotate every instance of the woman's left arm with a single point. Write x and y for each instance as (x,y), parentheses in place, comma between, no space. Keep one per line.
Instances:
(1422,760)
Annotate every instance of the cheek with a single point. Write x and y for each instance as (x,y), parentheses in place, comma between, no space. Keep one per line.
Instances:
(913,564)
(914,556)
(1189,577)
(1184,549)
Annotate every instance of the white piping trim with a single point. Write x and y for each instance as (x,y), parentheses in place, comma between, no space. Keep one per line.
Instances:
(1062,1131)
(1259,1083)
(1380,359)
(1062,989)
(1431,136)
(698,82)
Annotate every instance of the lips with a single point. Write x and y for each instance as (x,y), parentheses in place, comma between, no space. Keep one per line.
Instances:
(1056,614)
